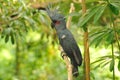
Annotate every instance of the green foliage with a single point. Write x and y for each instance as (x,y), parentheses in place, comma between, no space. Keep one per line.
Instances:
(114,6)
(112,65)
(104,36)
(18,22)
(97,11)
(114,9)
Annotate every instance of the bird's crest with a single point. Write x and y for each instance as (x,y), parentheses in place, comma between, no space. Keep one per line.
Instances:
(54,14)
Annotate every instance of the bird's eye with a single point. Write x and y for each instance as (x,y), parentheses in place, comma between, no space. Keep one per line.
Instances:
(54,21)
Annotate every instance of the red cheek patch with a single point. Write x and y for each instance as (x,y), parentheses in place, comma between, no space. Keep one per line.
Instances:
(57,22)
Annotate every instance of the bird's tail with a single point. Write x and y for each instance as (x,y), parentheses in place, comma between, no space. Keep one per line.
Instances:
(75,61)
(75,71)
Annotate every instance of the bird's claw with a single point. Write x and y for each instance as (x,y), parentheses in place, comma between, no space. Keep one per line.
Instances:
(63,54)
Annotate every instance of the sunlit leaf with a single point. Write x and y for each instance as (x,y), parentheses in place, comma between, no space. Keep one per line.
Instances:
(99,13)
(99,64)
(100,36)
(84,19)
(96,31)
(106,63)
(98,61)
(103,58)
(97,40)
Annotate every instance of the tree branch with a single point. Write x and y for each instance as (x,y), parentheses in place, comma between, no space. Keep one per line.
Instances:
(72,8)
(68,64)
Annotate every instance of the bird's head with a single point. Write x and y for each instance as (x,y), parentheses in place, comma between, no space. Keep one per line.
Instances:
(58,20)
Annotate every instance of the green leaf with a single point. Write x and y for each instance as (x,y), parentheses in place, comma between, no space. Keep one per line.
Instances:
(84,19)
(110,37)
(119,65)
(99,13)
(99,36)
(93,33)
(12,39)
(97,40)
(6,38)
(111,65)
(114,9)
(99,60)
(30,20)
(92,75)
(106,63)
(2,36)
(99,64)
(42,18)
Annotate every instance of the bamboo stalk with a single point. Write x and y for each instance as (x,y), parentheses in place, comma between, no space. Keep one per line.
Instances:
(86,47)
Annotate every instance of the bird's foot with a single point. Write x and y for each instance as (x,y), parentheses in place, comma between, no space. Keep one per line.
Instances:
(63,54)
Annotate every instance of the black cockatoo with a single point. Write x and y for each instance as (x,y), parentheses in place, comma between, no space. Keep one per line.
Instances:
(66,39)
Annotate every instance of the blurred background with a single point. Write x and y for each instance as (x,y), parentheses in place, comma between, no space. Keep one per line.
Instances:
(29,48)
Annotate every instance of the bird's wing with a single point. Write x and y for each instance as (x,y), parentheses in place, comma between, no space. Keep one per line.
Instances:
(70,46)
(77,53)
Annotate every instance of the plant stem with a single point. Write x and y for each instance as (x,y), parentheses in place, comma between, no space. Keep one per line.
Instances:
(116,35)
(113,61)
(17,60)
(112,24)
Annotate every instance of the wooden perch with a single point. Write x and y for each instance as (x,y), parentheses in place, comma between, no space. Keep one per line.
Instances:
(68,64)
